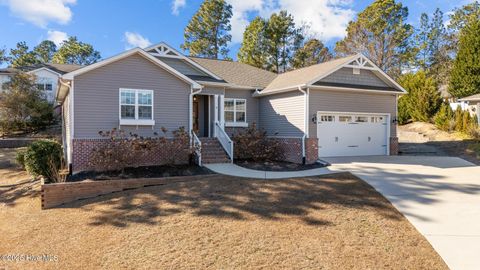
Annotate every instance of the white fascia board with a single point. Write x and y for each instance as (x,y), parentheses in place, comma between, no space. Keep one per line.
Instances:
(44,68)
(278,91)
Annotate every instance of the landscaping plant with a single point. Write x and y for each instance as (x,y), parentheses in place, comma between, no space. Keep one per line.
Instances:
(43,158)
(121,150)
(443,117)
(252,143)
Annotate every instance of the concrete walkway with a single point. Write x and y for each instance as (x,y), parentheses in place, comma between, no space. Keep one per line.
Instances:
(235,170)
(440,196)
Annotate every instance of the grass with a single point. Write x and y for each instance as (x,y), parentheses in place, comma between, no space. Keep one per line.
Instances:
(329,222)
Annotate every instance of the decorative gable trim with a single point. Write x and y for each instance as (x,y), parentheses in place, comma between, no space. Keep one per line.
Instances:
(164,50)
(360,62)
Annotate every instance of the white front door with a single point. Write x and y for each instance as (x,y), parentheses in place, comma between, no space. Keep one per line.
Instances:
(352,134)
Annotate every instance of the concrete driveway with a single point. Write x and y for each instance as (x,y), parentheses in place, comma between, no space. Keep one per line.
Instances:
(440,196)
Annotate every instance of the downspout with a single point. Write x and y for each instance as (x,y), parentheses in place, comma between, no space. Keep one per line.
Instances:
(305,128)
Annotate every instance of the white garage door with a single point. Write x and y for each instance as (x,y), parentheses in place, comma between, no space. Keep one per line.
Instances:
(352,134)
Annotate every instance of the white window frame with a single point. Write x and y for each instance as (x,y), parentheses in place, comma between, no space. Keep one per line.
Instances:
(235,123)
(136,121)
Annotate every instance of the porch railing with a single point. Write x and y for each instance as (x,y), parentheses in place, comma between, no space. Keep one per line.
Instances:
(197,146)
(224,140)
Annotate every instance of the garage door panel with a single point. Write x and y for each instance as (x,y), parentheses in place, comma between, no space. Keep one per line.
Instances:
(352,134)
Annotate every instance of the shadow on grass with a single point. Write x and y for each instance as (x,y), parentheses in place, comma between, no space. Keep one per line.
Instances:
(11,193)
(225,197)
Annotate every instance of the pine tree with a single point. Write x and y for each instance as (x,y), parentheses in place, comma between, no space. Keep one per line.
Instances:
(73,51)
(313,52)
(207,33)
(282,40)
(465,79)
(45,51)
(382,34)
(21,56)
(253,48)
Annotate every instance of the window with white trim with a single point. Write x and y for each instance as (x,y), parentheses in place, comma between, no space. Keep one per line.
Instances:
(235,110)
(45,86)
(136,105)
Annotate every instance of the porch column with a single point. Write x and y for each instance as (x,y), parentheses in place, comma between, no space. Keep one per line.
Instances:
(215,114)
(222,114)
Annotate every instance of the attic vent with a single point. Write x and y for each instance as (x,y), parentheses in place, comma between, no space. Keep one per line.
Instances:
(356,71)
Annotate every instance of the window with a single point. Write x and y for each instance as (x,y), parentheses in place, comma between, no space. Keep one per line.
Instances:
(136,107)
(235,111)
(361,119)
(45,86)
(378,119)
(345,118)
(327,118)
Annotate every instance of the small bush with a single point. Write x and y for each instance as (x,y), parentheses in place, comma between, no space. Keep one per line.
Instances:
(442,118)
(253,144)
(123,150)
(42,157)
(20,158)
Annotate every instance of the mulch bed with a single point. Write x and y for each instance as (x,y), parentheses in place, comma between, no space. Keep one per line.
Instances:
(276,166)
(142,172)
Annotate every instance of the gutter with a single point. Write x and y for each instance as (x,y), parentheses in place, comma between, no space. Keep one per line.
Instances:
(306,94)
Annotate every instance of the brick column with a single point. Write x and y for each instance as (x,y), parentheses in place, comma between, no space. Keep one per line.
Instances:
(393,146)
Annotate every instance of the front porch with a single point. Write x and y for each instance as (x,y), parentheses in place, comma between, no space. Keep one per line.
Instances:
(212,143)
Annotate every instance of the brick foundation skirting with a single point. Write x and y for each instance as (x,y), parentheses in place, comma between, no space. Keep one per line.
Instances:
(83,150)
(60,193)
(393,146)
(292,148)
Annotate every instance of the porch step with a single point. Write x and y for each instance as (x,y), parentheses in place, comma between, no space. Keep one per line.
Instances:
(213,152)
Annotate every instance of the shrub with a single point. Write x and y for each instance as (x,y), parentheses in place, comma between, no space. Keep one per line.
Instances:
(442,118)
(123,150)
(403,111)
(253,143)
(459,119)
(20,158)
(42,157)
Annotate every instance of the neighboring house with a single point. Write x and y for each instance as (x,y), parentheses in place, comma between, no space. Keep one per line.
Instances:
(473,105)
(46,76)
(345,107)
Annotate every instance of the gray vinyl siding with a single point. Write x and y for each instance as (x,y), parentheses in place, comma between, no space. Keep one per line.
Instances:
(342,101)
(282,115)
(252,103)
(346,76)
(96,97)
(182,66)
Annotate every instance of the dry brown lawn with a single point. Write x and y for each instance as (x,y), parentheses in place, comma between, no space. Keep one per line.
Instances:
(330,222)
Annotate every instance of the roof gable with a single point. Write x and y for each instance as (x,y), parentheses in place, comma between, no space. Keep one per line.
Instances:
(158,62)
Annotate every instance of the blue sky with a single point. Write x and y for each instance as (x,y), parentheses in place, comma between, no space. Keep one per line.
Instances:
(113,26)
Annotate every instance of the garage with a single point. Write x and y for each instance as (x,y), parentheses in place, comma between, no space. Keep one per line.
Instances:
(352,134)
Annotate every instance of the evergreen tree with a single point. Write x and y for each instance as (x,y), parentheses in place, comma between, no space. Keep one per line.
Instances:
(381,34)
(459,18)
(207,33)
(20,56)
(423,100)
(282,40)
(313,52)
(73,51)
(45,51)
(465,79)
(253,48)
(3,56)
(439,59)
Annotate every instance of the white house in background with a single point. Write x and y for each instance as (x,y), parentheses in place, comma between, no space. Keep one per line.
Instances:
(46,76)
(473,104)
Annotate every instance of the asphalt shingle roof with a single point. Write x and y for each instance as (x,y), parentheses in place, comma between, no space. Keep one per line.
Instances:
(237,73)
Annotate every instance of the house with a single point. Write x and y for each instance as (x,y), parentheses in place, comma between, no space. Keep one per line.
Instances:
(345,107)
(473,103)
(46,76)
